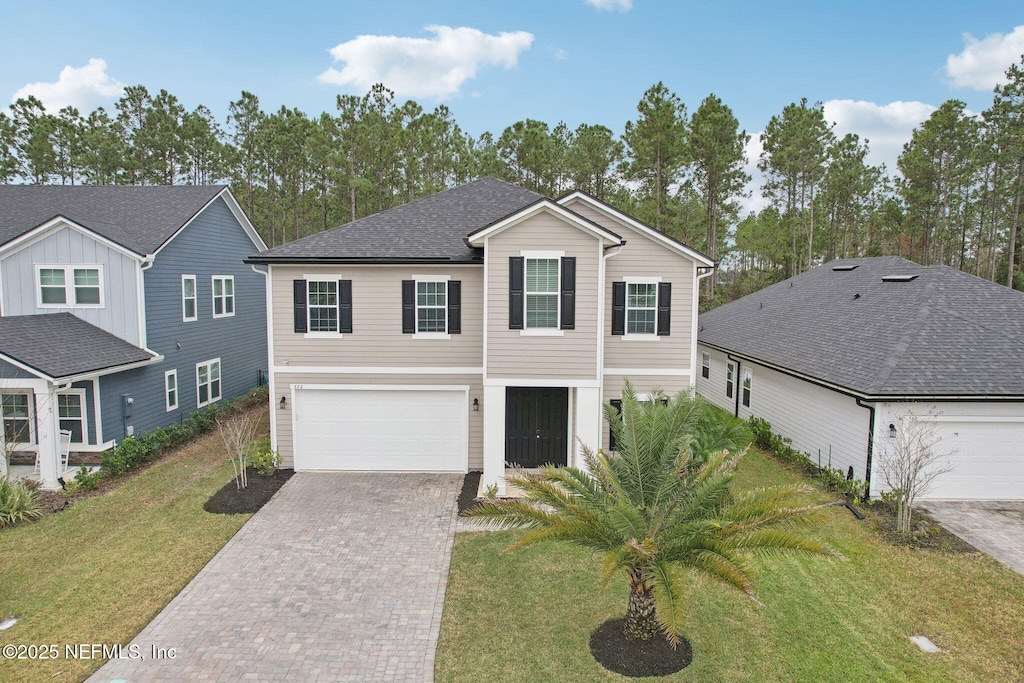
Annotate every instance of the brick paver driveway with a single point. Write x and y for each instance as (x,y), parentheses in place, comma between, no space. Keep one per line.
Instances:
(993,527)
(341,577)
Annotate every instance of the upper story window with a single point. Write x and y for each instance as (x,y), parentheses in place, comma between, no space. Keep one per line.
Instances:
(64,286)
(322,305)
(223,296)
(189,309)
(541,293)
(431,306)
(705,365)
(641,307)
(747,380)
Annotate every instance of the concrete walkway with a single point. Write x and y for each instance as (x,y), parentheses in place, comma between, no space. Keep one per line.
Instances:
(993,527)
(341,577)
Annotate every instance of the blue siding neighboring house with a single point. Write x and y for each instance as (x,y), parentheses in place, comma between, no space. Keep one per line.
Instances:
(155,275)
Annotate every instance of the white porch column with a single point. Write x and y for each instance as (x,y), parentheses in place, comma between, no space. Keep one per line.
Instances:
(588,422)
(494,438)
(48,437)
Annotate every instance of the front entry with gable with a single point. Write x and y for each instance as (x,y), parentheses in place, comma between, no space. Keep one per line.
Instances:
(536,426)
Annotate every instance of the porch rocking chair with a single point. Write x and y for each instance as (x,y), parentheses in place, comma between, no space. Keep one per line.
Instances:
(65,453)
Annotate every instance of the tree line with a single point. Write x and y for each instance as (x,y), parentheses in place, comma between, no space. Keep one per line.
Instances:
(956,199)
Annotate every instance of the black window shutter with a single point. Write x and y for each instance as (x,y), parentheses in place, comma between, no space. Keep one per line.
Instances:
(617,404)
(299,301)
(664,309)
(618,308)
(568,293)
(516,277)
(408,307)
(454,307)
(344,306)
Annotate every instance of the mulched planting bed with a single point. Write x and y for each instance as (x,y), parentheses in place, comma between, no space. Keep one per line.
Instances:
(926,534)
(467,497)
(636,658)
(231,500)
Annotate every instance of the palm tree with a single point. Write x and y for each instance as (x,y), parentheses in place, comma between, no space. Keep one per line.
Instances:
(660,506)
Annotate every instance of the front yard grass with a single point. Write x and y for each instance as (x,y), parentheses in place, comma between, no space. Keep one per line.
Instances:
(527,615)
(99,571)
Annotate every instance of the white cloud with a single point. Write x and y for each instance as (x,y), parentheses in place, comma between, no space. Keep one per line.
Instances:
(561,54)
(423,67)
(86,87)
(754,201)
(611,5)
(983,63)
(886,126)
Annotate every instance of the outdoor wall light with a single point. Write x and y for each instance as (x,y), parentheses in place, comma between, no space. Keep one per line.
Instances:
(284,402)
(476,405)
(892,431)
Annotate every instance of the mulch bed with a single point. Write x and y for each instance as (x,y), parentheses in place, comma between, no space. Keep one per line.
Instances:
(926,534)
(467,497)
(636,658)
(231,500)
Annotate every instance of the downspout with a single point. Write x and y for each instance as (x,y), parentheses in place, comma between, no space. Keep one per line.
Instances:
(735,384)
(271,388)
(871,446)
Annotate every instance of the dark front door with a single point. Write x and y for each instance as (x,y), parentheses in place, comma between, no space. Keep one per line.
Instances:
(536,426)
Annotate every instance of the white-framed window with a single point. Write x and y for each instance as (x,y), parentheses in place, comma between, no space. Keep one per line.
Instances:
(171,390)
(431,306)
(322,305)
(641,308)
(747,381)
(223,296)
(542,293)
(17,414)
(208,382)
(189,301)
(705,365)
(730,380)
(69,286)
(71,413)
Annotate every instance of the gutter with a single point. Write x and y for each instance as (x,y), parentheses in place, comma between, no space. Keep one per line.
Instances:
(256,260)
(157,358)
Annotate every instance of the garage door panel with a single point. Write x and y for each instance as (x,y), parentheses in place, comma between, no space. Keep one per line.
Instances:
(987,460)
(388,430)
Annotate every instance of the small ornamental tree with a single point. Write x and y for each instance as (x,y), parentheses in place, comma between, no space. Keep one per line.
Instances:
(909,462)
(659,507)
(239,436)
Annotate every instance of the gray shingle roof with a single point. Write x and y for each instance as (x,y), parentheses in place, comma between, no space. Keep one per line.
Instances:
(140,218)
(944,333)
(431,228)
(61,345)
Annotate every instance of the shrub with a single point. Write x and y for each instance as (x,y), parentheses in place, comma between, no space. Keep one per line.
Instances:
(264,459)
(18,503)
(88,479)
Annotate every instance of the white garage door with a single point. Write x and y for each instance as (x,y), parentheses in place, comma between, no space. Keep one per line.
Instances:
(381,429)
(988,462)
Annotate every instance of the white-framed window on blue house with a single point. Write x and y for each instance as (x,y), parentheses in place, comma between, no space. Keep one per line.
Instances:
(171,390)
(63,286)
(71,413)
(17,414)
(189,301)
(223,296)
(207,382)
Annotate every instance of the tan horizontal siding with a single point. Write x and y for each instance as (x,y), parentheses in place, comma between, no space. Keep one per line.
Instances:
(283,417)
(377,339)
(648,384)
(573,355)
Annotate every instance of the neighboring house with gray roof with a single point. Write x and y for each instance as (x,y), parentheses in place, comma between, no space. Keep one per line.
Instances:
(123,309)
(476,327)
(834,357)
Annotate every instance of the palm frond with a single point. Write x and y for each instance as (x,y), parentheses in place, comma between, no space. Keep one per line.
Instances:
(669,600)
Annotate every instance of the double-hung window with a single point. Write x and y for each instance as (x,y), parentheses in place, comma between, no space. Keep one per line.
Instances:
(189,308)
(171,390)
(641,307)
(64,286)
(542,293)
(71,414)
(322,305)
(746,388)
(705,365)
(431,306)
(17,418)
(223,296)
(730,380)
(208,382)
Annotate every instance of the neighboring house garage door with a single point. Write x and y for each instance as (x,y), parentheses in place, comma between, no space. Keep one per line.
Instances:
(987,462)
(405,429)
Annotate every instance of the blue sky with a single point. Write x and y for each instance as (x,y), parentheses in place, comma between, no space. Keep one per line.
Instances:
(880,67)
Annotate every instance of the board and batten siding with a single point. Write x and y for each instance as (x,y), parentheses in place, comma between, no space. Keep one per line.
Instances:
(821,422)
(282,415)
(571,355)
(376,338)
(213,244)
(119,314)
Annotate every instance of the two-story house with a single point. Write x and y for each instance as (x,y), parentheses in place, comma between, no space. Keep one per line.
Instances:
(122,309)
(476,327)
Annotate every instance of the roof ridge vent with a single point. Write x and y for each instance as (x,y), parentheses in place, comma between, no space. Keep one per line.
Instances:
(898,278)
(843,267)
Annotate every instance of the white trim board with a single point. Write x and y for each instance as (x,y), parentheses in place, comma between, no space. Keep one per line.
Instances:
(381,370)
(667,372)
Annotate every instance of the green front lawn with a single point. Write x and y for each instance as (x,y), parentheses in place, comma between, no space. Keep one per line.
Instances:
(527,615)
(99,571)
